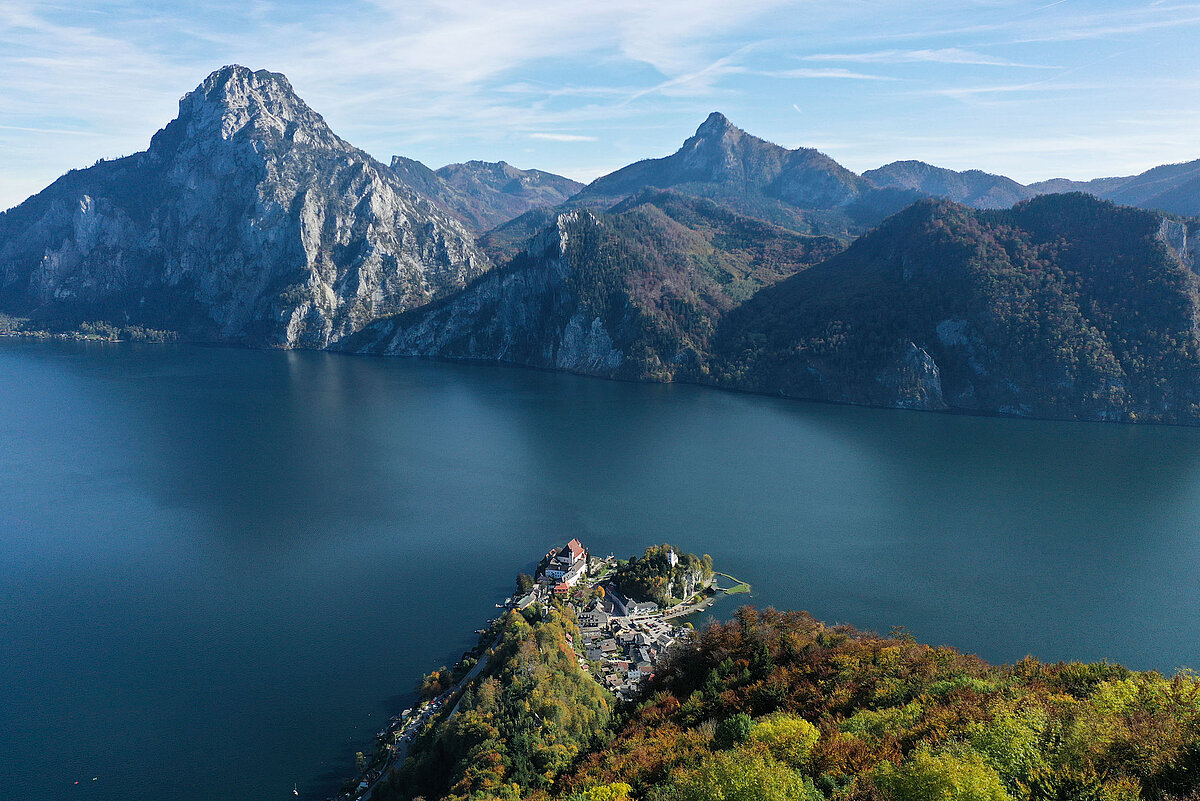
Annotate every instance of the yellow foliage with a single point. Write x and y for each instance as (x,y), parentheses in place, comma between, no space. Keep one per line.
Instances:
(788,738)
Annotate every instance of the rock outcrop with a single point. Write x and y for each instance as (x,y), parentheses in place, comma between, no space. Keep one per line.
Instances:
(247,220)
(523,314)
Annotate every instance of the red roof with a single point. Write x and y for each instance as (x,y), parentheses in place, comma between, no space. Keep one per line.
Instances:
(576,549)
(563,588)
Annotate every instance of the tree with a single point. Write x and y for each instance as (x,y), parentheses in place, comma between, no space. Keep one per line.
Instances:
(788,738)
(617,791)
(941,776)
(742,775)
(524,583)
(732,731)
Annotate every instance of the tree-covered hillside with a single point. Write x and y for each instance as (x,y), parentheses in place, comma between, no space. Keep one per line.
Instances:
(664,574)
(634,293)
(524,720)
(1063,306)
(778,707)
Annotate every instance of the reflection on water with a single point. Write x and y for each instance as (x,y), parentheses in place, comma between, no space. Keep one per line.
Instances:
(221,569)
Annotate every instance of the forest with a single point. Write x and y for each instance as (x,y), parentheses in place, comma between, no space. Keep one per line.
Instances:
(776,706)
(1063,307)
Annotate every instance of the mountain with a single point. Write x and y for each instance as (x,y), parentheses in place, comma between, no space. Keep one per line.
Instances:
(482,194)
(1174,188)
(974,188)
(635,292)
(247,220)
(801,189)
(1063,307)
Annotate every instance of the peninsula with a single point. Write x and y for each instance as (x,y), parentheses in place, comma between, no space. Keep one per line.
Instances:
(585,631)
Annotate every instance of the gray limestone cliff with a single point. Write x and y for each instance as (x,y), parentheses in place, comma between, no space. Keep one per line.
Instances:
(525,313)
(247,220)
(635,292)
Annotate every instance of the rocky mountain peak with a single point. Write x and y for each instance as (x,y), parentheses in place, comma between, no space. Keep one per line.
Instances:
(235,100)
(716,125)
(247,220)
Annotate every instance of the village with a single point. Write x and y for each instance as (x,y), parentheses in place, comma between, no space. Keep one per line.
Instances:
(623,639)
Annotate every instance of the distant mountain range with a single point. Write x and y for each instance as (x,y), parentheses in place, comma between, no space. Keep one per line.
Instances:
(1173,188)
(732,262)
(801,189)
(483,194)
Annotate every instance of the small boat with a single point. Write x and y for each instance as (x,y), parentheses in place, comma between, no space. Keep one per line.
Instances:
(295,790)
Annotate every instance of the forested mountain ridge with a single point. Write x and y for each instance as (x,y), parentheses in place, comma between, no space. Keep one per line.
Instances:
(974,188)
(801,189)
(1173,188)
(636,292)
(1064,306)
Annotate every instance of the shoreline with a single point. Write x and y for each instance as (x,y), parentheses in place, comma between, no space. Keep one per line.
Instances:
(401,731)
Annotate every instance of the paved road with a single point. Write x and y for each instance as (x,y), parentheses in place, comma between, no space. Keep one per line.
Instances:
(402,749)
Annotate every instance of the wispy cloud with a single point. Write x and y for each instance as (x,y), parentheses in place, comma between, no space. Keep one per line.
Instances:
(944,55)
(600,83)
(558,137)
(833,73)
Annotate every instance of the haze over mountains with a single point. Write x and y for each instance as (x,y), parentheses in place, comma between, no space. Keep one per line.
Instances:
(248,221)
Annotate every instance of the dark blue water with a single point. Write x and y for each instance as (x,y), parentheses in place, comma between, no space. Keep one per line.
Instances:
(221,570)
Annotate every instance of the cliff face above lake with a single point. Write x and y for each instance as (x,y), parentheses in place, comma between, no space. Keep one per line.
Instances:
(635,293)
(247,220)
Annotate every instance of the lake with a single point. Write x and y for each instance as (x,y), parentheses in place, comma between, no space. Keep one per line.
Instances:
(221,570)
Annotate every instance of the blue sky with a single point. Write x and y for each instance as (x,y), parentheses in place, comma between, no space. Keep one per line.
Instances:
(1028,89)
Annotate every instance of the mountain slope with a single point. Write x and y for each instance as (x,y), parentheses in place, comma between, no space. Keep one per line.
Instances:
(247,220)
(800,189)
(1174,188)
(483,195)
(634,293)
(1064,307)
(974,188)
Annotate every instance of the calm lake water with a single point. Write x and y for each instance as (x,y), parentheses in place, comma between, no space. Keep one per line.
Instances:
(221,570)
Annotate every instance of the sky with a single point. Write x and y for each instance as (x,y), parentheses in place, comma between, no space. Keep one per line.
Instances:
(1033,90)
